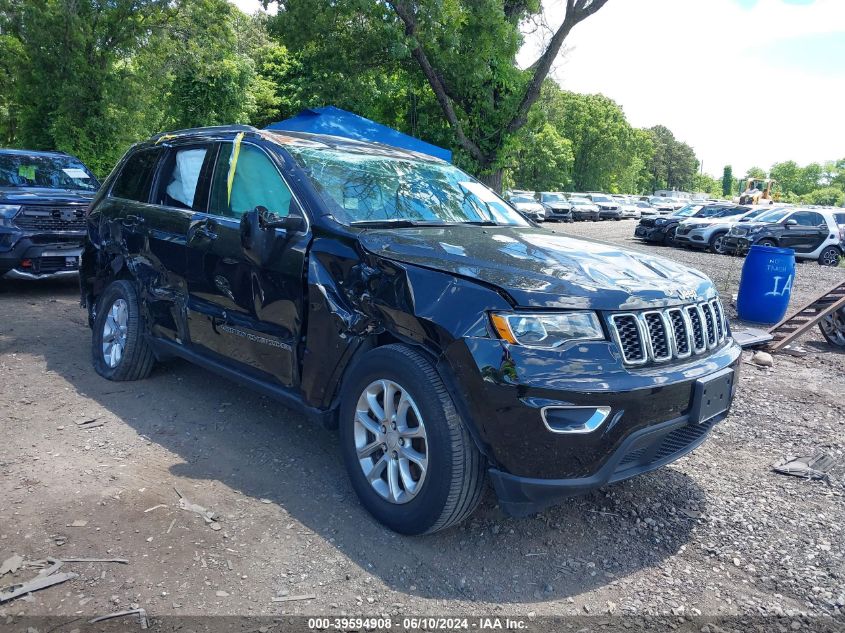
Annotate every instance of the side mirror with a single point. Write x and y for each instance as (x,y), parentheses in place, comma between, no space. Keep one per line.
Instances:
(258,235)
(271,221)
(791,222)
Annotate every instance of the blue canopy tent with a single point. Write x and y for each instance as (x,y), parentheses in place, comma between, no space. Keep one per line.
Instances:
(337,122)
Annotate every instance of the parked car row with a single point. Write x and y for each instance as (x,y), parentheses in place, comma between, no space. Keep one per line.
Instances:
(558,206)
(728,228)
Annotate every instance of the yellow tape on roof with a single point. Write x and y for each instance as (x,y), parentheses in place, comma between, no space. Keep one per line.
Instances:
(233,162)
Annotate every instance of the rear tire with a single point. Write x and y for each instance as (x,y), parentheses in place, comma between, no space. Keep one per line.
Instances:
(119,350)
(417,500)
(830,256)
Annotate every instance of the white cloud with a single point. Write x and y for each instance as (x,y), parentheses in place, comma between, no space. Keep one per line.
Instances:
(696,66)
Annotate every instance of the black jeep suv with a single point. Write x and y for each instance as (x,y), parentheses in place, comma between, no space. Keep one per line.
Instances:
(392,295)
(43,197)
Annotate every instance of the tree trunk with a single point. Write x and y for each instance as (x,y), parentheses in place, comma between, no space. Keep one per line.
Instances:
(493,179)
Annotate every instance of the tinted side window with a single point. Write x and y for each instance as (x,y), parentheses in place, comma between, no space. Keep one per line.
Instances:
(245,178)
(179,182)
(840,218)
(808,218)
(133,183)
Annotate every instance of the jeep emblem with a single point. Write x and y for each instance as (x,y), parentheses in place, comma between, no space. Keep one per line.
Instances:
(687,295)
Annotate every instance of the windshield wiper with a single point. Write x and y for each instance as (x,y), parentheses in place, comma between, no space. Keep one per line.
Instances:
(480,223)
(394,223)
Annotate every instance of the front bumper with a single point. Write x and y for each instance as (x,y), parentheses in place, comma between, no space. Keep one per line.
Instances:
(647,424)
(610,214)
(736,244)
(650,233)
(33,257)
(559,215)
(643,451)
(693,238)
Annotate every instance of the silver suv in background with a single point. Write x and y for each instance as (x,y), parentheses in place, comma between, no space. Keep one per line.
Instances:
(609,209)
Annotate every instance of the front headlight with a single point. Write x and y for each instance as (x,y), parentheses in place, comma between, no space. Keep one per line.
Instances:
(547,331)
(660,221)
(7,212)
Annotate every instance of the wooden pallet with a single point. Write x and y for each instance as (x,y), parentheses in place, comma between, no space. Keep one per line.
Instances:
(802,320)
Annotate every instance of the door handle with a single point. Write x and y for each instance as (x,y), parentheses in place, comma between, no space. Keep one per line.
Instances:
(203,230)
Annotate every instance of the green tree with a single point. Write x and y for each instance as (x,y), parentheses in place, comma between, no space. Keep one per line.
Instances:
(827,196)
(210,75)
(673,164)
(755,172)
(541,160)
(75,88)
(464,51)
(705,183)
(727,181)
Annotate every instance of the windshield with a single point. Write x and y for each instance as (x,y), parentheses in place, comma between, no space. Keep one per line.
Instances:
(601,199)
(522,199)
(688,210)
(580,202)
(371,188)
(53,172)
(553,197)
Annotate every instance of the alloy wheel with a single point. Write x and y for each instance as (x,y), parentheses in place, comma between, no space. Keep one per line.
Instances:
(833,327)
(830,257)
(115,328)
(391,441)
(719,244)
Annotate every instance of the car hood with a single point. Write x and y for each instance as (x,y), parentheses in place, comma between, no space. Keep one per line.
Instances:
(564,206)
(528,206)
(44,195)
(538,268)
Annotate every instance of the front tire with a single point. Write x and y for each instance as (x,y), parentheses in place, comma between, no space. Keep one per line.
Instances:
(409,457)
(669,238)
(118,348)
(717,243)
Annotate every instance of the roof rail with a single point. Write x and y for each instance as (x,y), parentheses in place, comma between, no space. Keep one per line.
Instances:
(205,130)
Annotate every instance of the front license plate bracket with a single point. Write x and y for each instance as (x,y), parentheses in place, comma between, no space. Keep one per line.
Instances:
(712,396)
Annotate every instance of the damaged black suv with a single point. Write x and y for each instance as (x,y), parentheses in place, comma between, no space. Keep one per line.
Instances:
(392,295)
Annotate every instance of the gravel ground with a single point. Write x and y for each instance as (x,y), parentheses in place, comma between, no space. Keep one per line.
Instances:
(716,533)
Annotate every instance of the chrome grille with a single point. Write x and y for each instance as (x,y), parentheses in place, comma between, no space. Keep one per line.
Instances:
(699,342)
(655,336)
(658,336)
(629,337)
(680,331)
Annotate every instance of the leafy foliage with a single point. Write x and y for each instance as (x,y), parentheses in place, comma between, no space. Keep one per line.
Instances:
(673,164)
(727,180)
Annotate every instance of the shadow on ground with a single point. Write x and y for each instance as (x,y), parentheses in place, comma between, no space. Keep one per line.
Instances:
(224,433)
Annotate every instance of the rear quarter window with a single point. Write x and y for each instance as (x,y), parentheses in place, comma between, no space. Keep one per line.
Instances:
(133,182)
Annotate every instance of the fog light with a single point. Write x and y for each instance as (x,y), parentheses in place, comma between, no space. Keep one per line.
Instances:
(574,419)
(26,263)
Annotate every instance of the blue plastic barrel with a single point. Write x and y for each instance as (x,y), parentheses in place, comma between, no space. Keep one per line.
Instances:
(766,284)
